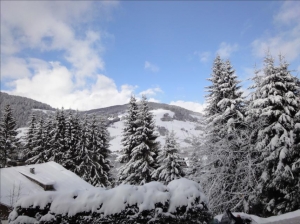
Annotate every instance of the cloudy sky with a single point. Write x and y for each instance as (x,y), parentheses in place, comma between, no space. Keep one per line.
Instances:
(85,55)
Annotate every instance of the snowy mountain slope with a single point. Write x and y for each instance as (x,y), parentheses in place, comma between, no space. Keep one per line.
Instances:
(183,129)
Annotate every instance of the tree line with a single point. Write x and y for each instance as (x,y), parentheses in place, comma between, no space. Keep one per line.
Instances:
(81,145)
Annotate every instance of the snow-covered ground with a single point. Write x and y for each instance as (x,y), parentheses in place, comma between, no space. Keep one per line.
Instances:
(288,218)
(44,111)
(180,192)
(182,129)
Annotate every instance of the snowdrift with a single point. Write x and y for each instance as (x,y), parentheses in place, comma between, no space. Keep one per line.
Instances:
(181,201)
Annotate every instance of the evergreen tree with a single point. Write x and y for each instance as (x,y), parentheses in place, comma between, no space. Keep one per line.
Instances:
(98,148)
(195,161)
(29,145)
(8,140)
(224,147)
(59,142)
(214,96)
(39,143)
(48,137)
(143,156)
(83,160)
(278,106)
(170,162)
(129,140)
(106,163)
(72,137)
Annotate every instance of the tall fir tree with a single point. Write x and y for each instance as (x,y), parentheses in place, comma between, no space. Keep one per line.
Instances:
(29,141)
(214,96)
(58,141)
(170,162)
(8,140)
(83,160)
(72,137)
(224,149)
(143,156)
(39,143)
(98,149)
(278,106)
(129,140)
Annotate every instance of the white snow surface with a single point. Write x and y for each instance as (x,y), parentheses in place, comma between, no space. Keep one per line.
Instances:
(14,179)
(278,219)
(184,192)
(44,111)
(112,201)
(22,133)
(182,129)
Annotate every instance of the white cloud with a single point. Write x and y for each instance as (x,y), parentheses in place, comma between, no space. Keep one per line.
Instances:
(62,32)
(203,56)
(151,67)
(61,29)
(14,67)
(225,49)
(288,13)
(193,106)
(287,40)
(151,91)
(54,86)
(153,100)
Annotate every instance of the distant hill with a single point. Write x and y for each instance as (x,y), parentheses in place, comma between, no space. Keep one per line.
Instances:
(180,113)
(22,107)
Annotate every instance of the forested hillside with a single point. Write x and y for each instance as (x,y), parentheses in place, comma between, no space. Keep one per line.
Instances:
(22,107)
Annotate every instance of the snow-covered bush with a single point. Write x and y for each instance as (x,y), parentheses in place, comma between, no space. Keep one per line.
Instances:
(181,201)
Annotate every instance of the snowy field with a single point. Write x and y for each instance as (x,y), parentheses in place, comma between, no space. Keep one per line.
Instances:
(182,129)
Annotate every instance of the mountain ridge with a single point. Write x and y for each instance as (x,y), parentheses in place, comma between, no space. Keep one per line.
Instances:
(23,107)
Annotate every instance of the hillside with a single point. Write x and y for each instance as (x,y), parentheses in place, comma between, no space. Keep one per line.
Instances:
(22,107)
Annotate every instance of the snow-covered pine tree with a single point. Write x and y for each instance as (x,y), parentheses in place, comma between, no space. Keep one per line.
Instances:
(83,161)
(278,106)
(40,144)
(8,140)
(129,140)
(29,145)
(105,138)
(48,136)
(214,96)
(58,141)
(143,156)
(98,150)
(296,163)
(232,102)
(224,149)
(170,162)
(72,137)
(195,161)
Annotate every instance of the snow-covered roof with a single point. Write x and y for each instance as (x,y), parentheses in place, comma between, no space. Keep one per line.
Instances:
(15,181)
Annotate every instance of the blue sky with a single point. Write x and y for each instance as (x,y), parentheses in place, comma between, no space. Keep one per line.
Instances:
(85,55)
